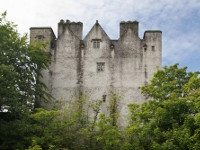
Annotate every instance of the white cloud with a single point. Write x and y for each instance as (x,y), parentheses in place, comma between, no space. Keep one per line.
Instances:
(174,18)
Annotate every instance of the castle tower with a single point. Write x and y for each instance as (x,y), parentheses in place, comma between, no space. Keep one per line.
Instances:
(152,51)
(124,26)
(66,74)
(46,36)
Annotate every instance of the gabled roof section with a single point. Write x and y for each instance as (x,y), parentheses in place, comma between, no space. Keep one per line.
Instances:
(96,25)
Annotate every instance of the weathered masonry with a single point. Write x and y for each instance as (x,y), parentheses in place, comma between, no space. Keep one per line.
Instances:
(97,64)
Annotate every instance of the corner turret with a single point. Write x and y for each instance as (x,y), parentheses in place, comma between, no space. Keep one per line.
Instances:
(43,34)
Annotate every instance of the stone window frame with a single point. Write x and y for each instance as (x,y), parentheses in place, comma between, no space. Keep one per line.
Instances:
(96,43)
(100,66)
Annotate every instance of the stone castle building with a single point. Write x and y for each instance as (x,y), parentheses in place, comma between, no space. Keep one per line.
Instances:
(96,64)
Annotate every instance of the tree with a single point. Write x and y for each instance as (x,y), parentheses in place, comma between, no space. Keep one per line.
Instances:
(20,67)
(66,127)
(73,128)
(170,119)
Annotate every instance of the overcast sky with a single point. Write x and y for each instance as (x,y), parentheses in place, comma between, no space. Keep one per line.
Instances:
(179,21)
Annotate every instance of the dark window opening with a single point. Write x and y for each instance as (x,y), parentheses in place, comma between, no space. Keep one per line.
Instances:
(40,38)
(52,44)
(111,46)
(104,98)
(82,45)
(153,48)
(100,66)
(145,47)
(81,93)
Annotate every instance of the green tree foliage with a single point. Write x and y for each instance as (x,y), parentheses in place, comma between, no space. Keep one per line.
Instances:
(108,136)
(169,119)
(62,128)
(78,125)
(20,67)
(34,146)
(46,128)
(113,107)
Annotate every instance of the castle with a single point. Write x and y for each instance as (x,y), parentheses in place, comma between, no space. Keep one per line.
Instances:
(96,64)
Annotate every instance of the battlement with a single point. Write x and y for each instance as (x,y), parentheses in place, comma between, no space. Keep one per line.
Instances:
(75,27)
(42,29)
(69,22)
(133,25)
(152,35)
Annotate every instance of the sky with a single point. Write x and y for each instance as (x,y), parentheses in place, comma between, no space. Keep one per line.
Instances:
(179,21)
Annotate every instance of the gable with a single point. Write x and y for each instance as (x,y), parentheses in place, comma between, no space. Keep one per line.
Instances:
(96,32)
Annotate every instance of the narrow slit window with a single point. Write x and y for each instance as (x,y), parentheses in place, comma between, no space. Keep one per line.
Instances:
(104,98)
(145,47)
(153,48)
(52,45)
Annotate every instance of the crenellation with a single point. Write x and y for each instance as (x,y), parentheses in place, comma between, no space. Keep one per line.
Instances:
(124,26)
(75,27)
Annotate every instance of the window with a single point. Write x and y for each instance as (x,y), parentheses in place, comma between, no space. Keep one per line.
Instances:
(153,48)
(111,46)
(100,66)
(104,98)
(96,43)
(52,44)
(145,47)
(39,38)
